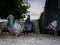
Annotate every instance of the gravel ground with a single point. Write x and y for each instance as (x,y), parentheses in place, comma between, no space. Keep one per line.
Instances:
(32,40)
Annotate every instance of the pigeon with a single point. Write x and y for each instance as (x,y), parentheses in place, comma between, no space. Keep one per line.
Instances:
(13,25)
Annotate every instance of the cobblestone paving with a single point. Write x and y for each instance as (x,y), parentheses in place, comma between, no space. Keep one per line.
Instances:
(33,40)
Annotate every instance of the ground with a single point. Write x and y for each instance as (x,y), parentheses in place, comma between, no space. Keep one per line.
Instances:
(40,39)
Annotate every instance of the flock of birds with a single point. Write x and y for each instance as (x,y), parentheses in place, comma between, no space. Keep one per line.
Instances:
(15,26)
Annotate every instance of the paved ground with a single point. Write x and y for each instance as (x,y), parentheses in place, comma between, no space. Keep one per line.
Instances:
(33,40)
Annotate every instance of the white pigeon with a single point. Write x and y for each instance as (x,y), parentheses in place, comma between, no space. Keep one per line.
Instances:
(52,25)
